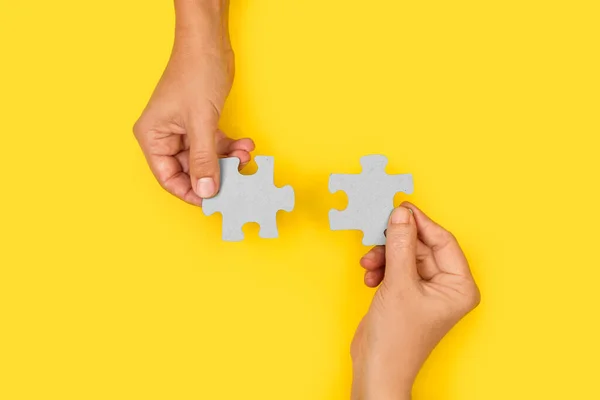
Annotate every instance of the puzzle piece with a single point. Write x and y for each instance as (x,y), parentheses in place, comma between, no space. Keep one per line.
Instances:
(248,198)
(370,198)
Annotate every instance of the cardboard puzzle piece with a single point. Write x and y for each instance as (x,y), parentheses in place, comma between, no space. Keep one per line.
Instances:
(370,198)
(249,198)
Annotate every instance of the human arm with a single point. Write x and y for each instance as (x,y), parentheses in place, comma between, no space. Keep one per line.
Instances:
(178,130)
(425,288)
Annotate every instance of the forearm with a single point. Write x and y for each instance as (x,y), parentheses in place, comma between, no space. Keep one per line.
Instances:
(386,369)
(202,22)
(365,387)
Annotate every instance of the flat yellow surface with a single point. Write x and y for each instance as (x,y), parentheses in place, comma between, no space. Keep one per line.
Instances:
(110,288)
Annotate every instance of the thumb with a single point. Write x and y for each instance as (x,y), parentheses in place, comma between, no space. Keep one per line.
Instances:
(204,161)
(400,248)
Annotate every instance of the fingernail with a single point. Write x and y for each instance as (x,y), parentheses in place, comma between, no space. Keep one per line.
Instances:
(206,187)
(400,215)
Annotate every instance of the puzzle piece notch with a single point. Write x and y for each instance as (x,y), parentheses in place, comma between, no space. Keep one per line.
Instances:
(249,198)
(370,198)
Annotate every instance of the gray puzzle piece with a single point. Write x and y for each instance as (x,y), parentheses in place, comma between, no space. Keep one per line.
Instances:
(370,198)
(249,198)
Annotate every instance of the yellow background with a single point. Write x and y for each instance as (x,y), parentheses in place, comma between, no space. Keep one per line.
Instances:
(112,289)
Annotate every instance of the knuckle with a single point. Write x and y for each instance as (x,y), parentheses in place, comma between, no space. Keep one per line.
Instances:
(139,128)
(136,129)
(448,236)
(401,238)
(472,296)
(443,239)
(476,297)
(203,161)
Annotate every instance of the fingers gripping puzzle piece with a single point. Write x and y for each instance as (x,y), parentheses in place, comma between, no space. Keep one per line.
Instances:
(370,198)
(249,198)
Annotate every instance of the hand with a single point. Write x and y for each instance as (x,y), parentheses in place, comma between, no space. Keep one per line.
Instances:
(178,130)
(426,288)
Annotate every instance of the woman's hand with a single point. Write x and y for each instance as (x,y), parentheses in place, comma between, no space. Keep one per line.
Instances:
(178,131)
(426,288)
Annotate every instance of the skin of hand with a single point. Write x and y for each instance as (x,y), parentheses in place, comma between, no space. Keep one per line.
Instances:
(178,130)
(425,288)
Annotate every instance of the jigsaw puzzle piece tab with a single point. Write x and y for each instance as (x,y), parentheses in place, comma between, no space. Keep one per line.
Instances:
(375,234)
(373,163)
(266,166)
(232,229)
(286,198)
(268,227)
(401,183)
(338,182)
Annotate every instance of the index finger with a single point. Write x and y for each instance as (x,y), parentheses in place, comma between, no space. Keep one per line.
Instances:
(172,176)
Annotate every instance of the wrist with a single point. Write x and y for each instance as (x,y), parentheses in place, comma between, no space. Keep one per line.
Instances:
(404,393)
(391,390)
(202,6)
(381,382)
(383,393)
(202,23)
